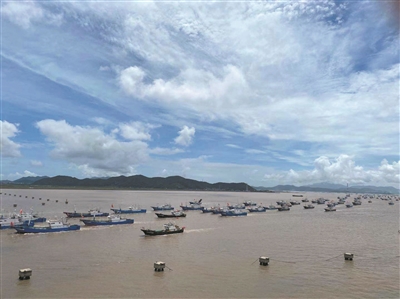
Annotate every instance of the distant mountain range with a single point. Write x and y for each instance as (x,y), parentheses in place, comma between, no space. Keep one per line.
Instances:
(329,187)
(180,183)
(131,182)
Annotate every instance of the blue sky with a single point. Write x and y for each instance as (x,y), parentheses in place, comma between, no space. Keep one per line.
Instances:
(275,92)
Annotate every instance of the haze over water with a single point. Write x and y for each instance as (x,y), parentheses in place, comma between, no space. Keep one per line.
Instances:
(216,257)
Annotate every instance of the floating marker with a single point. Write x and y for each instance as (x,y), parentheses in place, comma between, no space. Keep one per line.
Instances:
(15,205)
(263,261)
(25,273)
(348,256)
(159,266)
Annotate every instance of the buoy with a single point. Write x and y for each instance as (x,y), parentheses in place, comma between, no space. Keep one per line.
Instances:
(263,261)
(348,256)
(48,199)
(15,205)
(25,273)
(56,200)
(33,197)
(159,266)
(43,203)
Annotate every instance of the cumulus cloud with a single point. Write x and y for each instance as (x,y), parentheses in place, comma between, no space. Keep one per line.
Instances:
(18,175)
(25,13)
(135,131)
(165,151)
(342,170)
(91,149)
(9,148)
(185,137)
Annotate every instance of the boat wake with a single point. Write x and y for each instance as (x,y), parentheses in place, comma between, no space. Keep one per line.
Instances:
(200,230)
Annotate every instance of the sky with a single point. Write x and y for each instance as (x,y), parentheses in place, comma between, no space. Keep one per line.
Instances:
(264,92)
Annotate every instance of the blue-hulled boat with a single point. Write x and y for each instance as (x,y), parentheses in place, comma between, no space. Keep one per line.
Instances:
(235,212)
(52,226)
(130,210)
(111,220)
(166,207)
(11,222)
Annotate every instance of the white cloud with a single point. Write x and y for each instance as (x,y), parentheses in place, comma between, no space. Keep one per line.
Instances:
(92,150)
(342,170)
(25,13)
(36,163)
(185,137)
(8,147)
(17,175)
(232,145)
(135,131)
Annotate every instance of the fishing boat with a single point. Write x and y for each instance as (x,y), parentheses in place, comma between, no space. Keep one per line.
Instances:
(11,222)
(90,213)
(238,206)
(235,212)
(297,195)
(271,207)
(165,207)
(305,200)
(51,226)
(111,220)
(257,209)
(130,210)
(208,210)
(169,229)
(309,206)
(249,203)
(295,202)
(173,214)
(283,208)
(349,205)
(391,203)
(192,207)
(357,202)
(330,209)
(196,202)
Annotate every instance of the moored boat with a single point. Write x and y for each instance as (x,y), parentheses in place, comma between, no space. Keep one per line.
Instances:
(192,207)
(257,209)
(169,228)
(309,206)
(51,226)
(283,208)
(165,207)
(130,210)
(173,214)
(90,213)
(235,212)
(194,202)
(111,220)
(271,207)
(330,209)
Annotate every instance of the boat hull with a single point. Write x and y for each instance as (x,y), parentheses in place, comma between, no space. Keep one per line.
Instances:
(119,211)
(84,215)
(29,230)
(150,232)
(162,208)
(160,215)
(233,214)
(106,222)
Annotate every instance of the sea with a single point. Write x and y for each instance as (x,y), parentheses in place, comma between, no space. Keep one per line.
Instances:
(215,257)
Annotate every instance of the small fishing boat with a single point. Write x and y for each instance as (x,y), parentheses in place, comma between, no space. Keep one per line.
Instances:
(130,210)
(391,203)
(357,202)
(173,214)
(297,195)
(196,202)
(349,205)
(192,207)
(283,208)
(235,212)
(11,222)
(330,209)
(257,209)
(111,220)
(305,200)
(294,202)
(249,203)
(309,206)
(90,213)
(208,210)
(52,226)
(169,228)
(271,207)
(165,207)
(238,206)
